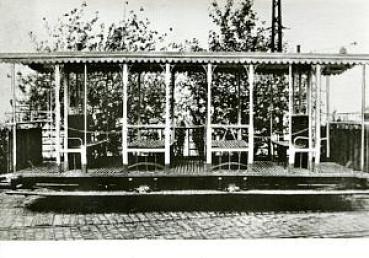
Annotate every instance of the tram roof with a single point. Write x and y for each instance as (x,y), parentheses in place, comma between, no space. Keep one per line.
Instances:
(332,63)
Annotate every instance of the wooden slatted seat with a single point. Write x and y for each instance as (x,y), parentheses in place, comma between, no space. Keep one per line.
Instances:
(147,144)
(233,144)
(229,144)
(230,147)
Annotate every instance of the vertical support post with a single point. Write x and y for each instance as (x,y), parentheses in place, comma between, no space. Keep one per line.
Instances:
(363,95)
(291,152)
(310,122)
(271,147)
(57,115)
(208,118)
(14,119)
(328,115)
(125,118)
(300,93)
(139,104)
(318,116)
(167,117)
(250,159)
(293,92)
(239,113)
(172,103)
(84,147)
(66,111)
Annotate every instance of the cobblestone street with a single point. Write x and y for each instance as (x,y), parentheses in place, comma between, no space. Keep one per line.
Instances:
(168,218)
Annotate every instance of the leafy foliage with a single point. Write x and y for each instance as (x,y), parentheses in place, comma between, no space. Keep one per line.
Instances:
(237,29)
(74,31)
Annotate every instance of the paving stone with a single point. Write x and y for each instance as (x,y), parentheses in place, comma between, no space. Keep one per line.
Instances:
(17,222)
(58,220)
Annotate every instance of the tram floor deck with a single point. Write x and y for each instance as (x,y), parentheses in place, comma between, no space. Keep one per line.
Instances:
(192,175)
(194,168)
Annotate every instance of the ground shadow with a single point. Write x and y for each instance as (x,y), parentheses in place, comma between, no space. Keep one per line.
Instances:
(230,202)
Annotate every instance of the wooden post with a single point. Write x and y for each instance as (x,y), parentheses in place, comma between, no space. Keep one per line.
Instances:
(167,117)
(300,93)
(57,116)
(139,104)
(293,92)
(251,119)
(66,111)
(172,103)
(318,116)
(125,118)
(328,116)
(291,153)
(239,113)
(208,118)
(14,118)
(271,147)
(85,128)
(310,122)
(363,95)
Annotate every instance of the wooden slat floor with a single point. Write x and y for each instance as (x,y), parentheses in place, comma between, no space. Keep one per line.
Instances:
(197,168)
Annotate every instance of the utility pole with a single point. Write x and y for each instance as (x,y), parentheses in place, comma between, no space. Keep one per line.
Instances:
(277,27)
(275,46)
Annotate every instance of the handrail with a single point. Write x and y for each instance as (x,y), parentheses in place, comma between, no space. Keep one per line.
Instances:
(189,127)
(162,126)
(306,138)
(346,122)
(229,126)
(76,138)
(91,144)
(300,138)
(29,111)
(151,126)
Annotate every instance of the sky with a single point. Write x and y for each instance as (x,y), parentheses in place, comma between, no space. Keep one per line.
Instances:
(317,25)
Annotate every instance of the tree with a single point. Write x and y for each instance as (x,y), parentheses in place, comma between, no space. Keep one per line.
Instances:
(75,31)
(239,29)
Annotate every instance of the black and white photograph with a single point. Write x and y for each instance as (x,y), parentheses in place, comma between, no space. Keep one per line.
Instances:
(183,120)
